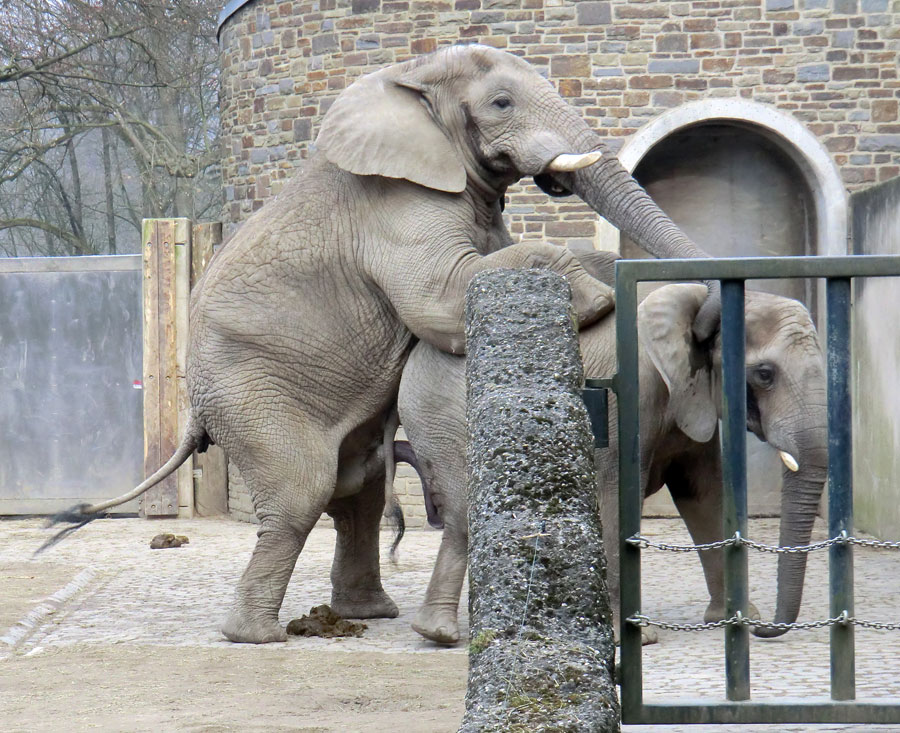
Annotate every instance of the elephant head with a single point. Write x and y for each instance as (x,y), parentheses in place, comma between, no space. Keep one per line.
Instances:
(786,403)
(472,120)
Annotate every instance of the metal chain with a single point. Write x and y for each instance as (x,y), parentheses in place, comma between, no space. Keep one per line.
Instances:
(642,542)
(740,620)
(842,539)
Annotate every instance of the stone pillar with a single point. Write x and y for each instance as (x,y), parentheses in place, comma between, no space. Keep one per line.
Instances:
(541,648)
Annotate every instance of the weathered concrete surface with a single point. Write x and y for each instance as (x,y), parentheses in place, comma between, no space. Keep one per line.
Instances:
(541,650)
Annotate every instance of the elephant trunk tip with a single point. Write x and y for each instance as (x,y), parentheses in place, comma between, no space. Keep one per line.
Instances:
(763,632)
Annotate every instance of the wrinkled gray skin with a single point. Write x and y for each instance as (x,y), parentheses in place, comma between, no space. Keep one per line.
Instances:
(679,444)
(302,324)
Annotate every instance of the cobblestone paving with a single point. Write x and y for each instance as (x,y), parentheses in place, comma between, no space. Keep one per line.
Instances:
(121,591)
(691,665)
(105,586)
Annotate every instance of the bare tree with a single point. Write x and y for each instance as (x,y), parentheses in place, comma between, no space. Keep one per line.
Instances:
(107,114)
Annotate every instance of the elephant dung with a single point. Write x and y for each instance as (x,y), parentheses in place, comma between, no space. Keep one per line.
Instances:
(324,622)
(166,539)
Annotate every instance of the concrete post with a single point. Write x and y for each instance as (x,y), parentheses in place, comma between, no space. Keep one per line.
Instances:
(541,641)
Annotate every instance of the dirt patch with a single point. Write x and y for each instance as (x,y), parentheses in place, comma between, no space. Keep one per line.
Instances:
(233,688)
(24,585)
(324,622)
(122,637)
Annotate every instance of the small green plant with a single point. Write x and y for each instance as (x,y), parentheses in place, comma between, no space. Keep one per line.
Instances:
(538,706)
(482,641)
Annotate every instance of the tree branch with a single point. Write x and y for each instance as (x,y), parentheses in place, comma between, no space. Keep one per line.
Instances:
(14,72)
(79,244)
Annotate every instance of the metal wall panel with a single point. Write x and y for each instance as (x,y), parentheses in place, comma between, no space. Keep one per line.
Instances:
(876,361)
(70,371)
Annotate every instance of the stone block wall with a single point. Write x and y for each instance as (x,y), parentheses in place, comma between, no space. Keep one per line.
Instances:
(831,64)
(408,490)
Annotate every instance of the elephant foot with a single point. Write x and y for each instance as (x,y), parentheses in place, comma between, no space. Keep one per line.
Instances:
(715,611)
(244,629)
(359,604)
(437,624)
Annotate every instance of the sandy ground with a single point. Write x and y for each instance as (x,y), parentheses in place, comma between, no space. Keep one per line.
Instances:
(137,688)
(103,633)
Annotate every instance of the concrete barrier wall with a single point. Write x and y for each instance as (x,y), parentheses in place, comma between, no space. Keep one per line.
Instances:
(876,361)
(541,642)
(70,365)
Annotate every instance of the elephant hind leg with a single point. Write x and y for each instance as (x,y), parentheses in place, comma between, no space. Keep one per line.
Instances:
(289,494)
(436,620)
(253,618)
(356,590)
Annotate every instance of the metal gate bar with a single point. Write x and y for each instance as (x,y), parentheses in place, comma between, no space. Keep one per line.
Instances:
(840,486)
(734,494)
(732,273)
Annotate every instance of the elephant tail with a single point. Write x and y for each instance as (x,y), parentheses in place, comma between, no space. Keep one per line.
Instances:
(81,514)
(395,514)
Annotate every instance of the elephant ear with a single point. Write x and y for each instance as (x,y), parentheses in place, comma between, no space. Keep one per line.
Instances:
(382,125)
(665,320)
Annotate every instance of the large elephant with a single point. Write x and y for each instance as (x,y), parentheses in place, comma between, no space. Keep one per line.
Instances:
(302,324)
(680,406)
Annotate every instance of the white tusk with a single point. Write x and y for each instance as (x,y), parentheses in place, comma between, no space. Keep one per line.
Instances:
(568,162)
(789,460)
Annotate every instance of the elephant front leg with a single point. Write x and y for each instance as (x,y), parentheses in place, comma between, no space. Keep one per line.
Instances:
(695,485)
(356,590)
(437,618)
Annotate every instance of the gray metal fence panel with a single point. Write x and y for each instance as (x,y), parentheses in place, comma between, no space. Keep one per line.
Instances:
(71,426)
(838,272)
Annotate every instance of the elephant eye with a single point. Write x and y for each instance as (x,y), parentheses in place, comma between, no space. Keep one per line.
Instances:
(502,102)
(764,375)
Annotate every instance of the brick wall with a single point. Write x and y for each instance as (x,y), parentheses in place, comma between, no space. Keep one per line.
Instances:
(832,64)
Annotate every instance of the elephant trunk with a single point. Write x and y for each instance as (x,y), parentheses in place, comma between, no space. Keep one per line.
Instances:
(613,193)
(800,496)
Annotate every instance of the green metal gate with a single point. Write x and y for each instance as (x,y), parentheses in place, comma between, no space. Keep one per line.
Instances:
(737,708)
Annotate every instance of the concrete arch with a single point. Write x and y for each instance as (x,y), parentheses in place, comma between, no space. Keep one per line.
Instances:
(798,143)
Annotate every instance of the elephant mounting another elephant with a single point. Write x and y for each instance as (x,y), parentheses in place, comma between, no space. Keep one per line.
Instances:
(680,401)
(301,325)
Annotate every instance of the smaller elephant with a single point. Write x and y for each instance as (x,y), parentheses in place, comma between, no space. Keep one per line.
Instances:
(680,407)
